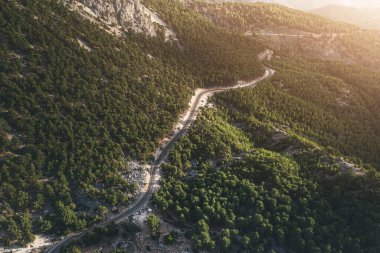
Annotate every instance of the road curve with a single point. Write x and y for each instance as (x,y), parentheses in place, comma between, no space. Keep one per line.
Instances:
(160,157)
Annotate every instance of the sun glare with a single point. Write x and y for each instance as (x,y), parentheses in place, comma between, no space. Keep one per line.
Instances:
(349,2)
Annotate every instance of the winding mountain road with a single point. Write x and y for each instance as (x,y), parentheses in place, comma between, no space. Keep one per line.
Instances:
(197,101)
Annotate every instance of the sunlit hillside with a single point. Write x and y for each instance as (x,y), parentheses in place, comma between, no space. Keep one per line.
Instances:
(188,126)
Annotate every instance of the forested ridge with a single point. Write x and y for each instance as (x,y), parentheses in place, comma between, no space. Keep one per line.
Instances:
(347,42)
(239,197)
(290,165)
(76,103)
(213,54)
(242,17)
(70,117)
(332,103)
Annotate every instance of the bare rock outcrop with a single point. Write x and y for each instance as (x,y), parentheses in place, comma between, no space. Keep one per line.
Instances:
(123,15)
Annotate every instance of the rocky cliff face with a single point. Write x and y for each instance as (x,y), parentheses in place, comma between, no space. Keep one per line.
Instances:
(122,15)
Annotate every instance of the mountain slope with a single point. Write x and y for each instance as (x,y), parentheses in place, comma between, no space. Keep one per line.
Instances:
(76,101)
(90,88)
(366,18)
(295,34)
(242,185)
(122,15)
(298,32)
(243,17)
(214,55)
(289,166)
(70,115)
(309,4)
(333,104)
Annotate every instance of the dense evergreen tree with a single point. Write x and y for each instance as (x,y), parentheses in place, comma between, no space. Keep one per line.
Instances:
(322,37)
(257,200)
(331,103)
(213,54)
(70,116)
